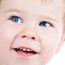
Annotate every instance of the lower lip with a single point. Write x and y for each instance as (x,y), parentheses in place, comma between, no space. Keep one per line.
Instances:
(24,55)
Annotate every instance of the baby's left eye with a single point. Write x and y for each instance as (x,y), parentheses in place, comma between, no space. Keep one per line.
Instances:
(45,24)
(16,19)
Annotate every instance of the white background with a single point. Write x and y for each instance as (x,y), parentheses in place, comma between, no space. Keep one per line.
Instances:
(59,59)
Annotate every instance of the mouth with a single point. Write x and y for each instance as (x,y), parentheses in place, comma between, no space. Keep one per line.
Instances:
(25,52)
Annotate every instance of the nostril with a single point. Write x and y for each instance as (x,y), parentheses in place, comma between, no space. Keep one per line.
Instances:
(29,37)
(33,38)
(23,36)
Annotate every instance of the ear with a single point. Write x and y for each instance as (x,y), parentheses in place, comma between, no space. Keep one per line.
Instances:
(60,44)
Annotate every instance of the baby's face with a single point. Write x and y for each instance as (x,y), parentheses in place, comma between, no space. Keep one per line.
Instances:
(30,31)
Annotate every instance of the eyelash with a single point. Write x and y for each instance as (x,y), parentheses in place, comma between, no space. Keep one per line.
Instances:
(15,19)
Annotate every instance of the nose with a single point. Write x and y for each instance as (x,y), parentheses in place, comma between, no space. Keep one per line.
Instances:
(29,35)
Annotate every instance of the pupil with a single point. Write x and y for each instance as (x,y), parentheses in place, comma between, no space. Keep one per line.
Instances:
(15,19)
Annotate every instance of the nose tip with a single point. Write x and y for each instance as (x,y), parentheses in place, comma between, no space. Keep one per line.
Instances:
(29,35)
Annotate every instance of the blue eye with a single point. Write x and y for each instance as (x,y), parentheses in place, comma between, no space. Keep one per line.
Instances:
(45,24)
(15,19)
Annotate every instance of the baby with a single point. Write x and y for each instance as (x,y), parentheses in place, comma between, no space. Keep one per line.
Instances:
(31,31)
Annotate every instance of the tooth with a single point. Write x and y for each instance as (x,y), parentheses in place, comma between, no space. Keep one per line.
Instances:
(21,49)
(28,50)
(24,49)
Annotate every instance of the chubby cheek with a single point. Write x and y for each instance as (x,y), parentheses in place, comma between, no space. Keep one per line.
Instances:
(49,41)
(7,35)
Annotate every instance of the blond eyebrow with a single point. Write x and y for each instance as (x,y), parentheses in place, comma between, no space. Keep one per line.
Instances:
(12,10)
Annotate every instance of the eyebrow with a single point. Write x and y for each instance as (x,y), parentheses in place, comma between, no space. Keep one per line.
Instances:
(49,18)
(15,10)
(12,10)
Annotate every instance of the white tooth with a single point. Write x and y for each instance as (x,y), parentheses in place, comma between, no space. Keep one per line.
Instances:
(21,48)
(24,49)
(28,50)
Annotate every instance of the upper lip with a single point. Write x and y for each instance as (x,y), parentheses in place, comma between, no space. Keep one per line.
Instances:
(20,43)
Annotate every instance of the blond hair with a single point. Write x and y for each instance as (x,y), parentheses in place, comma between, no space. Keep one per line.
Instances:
(0,1)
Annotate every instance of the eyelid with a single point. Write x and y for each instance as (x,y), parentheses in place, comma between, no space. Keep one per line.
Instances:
(10,17)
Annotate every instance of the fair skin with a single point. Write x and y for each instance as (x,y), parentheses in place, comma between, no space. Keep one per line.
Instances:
(30,24)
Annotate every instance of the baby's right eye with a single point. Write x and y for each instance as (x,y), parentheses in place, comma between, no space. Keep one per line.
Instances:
(15,19)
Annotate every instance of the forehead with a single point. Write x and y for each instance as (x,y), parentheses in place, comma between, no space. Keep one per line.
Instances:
(42,1)
(34,5)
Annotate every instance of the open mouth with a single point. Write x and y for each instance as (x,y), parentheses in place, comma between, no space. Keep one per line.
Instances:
(25,52)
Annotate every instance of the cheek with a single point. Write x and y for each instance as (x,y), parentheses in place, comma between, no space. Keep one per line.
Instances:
(49,40)
(49,46)
(7,34)
(48,37)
